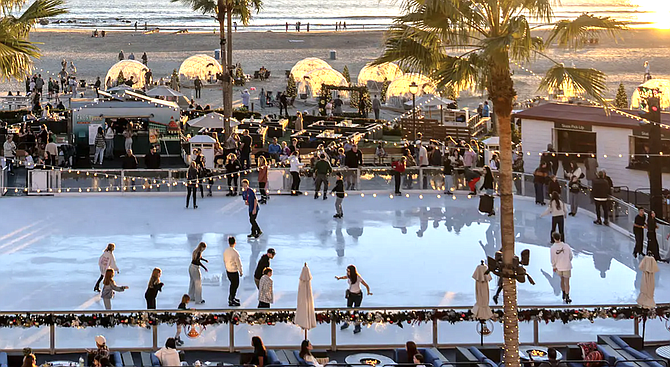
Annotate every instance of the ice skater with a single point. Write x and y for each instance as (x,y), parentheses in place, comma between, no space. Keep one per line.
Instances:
(263,263)
(191,185)
(185,299)
(233,264)
(322,169)
(265,292)
(638,230)
(106,261)
(195,286)
(561,262)
(263,179)
(155,285)
(250,200)
(652,241)
(339,193)
(109,288)
(558,213)
(354,293)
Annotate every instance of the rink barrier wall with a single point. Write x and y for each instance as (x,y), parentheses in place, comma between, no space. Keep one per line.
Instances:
(231,347)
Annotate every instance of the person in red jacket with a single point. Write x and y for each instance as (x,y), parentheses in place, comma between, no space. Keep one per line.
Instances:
(398,170)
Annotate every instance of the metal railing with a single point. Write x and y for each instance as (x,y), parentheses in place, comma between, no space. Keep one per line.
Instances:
(224,337)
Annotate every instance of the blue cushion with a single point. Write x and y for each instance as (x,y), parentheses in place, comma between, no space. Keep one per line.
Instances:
(618,341)
(272,358)
(607,355)
(155,362)
(301,361)
(400,355)
(3,360)
(489,362)
(116,359)
(477,353)
(429,356)
(642,355)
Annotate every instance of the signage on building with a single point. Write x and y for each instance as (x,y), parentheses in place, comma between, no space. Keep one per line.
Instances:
(644,133)
(572,126)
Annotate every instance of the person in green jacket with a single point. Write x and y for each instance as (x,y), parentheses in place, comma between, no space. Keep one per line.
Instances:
(322,169)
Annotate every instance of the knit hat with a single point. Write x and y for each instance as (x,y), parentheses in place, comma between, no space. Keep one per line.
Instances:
(100,340)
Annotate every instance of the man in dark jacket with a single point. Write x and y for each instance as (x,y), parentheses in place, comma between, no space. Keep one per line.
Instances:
(263,263)
(129,161)
(352,159)
(153,160)
(601,192)
(322,169)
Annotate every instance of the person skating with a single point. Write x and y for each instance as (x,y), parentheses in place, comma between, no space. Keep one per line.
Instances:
(195,285)
(265,291)
(448,180)
(155,285)
(322,168)
(339,195)
(109,288)
(561,262)
(191,185)
(398,169)
(353,158)
(652,241)
(106,261)
(263,263)
(558,213)
(232,169)
(263,179)
(295,173)
(601,192)
(185,299)
(250,200)
(638,230)
(354,293)
(575,186)
(233,264)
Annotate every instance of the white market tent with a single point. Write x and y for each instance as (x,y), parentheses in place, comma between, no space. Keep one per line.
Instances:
(199,66)
(164,91)
(211,120)
(129,68)
(303,67)
(663,85)
(373,76)
(315,78)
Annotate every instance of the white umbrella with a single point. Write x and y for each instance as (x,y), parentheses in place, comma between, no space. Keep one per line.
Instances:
(119,88)
(211,120)
(648,266)
(305,317)
(163,91)
(481,309)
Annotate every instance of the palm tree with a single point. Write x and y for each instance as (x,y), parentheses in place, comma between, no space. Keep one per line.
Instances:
(16,50)
(223,11)
(472,43)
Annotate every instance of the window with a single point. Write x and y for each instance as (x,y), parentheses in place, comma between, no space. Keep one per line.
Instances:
(573,141)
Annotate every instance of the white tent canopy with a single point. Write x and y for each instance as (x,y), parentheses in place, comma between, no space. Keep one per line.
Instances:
(201,66)
(163,91)
(430,101)
(129,68)
(303,67)
(313,80)
(373,76)
(211,120)
(663,85)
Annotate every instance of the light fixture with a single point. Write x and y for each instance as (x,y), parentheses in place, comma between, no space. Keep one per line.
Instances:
(413,88)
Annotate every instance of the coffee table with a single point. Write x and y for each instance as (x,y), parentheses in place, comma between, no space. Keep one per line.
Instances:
(536,353)
(371,359)
(663,352)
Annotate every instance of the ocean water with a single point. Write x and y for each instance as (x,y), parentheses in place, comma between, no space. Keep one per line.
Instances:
(320,14)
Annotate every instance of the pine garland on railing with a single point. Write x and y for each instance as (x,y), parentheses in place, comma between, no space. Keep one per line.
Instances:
(146,319)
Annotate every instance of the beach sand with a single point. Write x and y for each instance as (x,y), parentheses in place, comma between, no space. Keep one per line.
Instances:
(622,61)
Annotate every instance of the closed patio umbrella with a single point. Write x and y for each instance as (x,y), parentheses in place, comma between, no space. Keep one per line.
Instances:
(305,317)
(649,267)
(481,309)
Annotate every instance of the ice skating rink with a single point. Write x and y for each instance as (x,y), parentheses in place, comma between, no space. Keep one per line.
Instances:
(412,251)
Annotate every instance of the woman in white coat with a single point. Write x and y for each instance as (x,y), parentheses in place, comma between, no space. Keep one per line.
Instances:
(106,261)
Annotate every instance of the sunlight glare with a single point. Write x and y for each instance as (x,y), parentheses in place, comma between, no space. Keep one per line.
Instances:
(655,13)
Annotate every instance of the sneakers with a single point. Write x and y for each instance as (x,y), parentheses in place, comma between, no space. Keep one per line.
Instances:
(344,326)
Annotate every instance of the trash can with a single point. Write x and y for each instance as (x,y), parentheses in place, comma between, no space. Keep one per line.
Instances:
(333,55)
(217,53)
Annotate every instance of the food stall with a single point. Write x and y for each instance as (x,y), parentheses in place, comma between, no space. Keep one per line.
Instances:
(155,122)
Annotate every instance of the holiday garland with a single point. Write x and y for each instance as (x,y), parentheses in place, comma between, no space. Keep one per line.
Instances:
(146,320)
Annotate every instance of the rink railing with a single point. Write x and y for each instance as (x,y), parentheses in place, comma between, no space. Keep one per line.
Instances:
(231,345)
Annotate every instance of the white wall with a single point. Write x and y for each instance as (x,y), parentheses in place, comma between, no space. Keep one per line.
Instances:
(535,135)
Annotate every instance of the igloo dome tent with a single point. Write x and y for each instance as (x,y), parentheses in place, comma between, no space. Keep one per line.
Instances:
(663,85)
(305,66)
(313,80)
(373,76)
(201,66)
(399,88)
(129,68)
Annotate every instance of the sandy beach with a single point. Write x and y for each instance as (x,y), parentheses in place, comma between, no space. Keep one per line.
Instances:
(278,51)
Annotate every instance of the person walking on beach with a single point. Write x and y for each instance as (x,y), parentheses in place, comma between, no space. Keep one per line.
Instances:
(376,106)
(263,263)
(265,291)
(283,103)
(145,59)
(195,285)
(558,213)
(155,285)
(322,168)
(197,84)
(121,56)
(295,166)
(233,264)
(106,261)
(135,26)
(338,190)
(109,288)
(638,230)
(250,199)
(191,185)
(354,294)
(561,262)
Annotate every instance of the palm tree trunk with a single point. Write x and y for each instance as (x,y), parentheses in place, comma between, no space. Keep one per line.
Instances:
(501,92)
(221,17)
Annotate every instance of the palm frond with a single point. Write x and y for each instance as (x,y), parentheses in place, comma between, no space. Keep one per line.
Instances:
(460,73)
(573,34)
(412,48)
(591,82)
